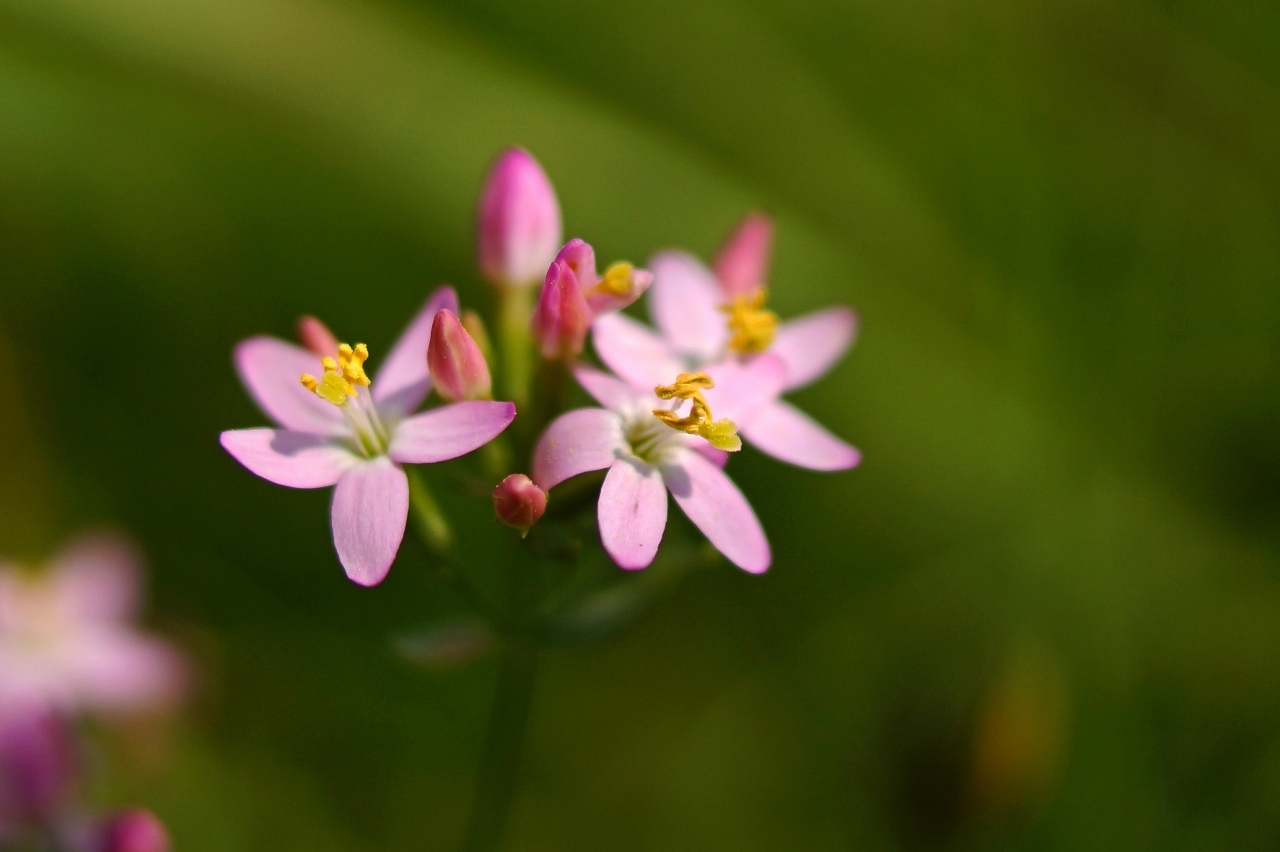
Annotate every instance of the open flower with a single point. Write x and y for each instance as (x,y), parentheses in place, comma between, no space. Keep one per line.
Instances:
(343,429)
(704,319)
(573,295)
(650,447)
(66,641)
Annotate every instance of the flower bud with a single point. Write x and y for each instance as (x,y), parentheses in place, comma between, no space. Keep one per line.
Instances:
(743,262)
(39,765)
(519,221)
(317,337)
(458,369)
(518,502)
(136,830)
(562,316)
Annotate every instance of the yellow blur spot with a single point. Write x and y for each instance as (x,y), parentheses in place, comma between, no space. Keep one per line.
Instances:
(751,325)
(617,278)
(721,434)
(341,376)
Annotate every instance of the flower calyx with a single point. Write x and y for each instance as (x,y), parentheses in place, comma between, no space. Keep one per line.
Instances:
(721,434)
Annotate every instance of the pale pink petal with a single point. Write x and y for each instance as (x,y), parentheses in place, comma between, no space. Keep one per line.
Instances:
(602,300)
(450,431)
(370,508)
(719,458)
(632,513)
(401,381)
(270,370)
(684,302)
(744,387)
(577,441)
(717,507)
(97,578)
(122,670)
(812,344)
(612,392)
(295,459)
(743,262)
(634,351)
(788,434)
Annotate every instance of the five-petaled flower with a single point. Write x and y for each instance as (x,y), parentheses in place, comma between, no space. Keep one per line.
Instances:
(649,448)
(344,429)
(704,319)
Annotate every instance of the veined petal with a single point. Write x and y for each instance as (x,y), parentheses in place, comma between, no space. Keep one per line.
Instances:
(632,513)
(370,508)
(577,441)
(634,351)
(270,370)
(97,578)
(402,382)
(810,345)
(788,434)
(294,459)
(450,431)
(684,302)
(744,387)
(717,507)
(612,392)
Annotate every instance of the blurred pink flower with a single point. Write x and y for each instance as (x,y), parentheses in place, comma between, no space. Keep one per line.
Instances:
(342,429)
(646,458)
(135,830)
(66,637)
(519,221)
(573,295)
(704,319)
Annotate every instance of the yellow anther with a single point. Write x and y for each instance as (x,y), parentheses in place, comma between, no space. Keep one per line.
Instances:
(617,278)
(341,376)
(751,325)
(721,434)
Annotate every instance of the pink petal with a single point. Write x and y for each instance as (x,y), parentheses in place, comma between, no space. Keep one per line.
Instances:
(370,508)
(450,431)
(743,263)
(684,302)
(270,370)
(788,434)
(401,382)
(576,442)
(294,459)
(117,669)
(717,507)
(97,578)
(719,458)
(632,513)
(744,387)
(634,351)
(611,392)
(602,301)
(812,344)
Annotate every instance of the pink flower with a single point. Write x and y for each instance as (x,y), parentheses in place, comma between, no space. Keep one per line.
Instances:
(648,454)
(519,221)
(704,319)
(344,429)
(573,295)
(66,641)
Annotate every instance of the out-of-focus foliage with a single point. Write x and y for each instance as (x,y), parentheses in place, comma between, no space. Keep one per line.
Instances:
(1044,614)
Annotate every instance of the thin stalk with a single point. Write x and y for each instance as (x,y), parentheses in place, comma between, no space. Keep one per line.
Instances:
(515,310)
(428,517)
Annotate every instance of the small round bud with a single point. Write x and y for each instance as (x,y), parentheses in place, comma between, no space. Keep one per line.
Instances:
(519,221)
(518,502)
(136,830)
(458,369)
(317,337)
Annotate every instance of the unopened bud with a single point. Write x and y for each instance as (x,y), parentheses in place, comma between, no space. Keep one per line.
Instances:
(136,830)
(743,263)
(518,502)
(562,316)
(458,369)
(519,221)
(317,337)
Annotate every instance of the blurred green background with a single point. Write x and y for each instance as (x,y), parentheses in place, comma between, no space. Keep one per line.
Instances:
(1044,613)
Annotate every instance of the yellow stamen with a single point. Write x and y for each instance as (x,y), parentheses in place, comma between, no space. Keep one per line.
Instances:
(617,278)
(341,377)
(721,434)
(751,325)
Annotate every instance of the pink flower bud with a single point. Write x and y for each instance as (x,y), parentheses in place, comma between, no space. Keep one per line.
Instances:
(136,830)
(518,502)
(317,337)
(519,221)
(39,765)
(562,316)
(743,262)
(458,369)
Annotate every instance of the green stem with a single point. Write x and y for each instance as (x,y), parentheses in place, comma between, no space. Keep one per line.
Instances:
(501,758)
(432,525)
(515,309)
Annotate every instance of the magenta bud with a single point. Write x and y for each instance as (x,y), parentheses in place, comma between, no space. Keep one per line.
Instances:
(518,502)
(39,765)
(562,316)
(317,337)
(457,366)
(136,830)
(743,263)
(519,221)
